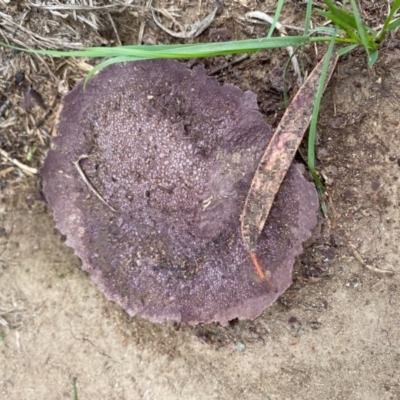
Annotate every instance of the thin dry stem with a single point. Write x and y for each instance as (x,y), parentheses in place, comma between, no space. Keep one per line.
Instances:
(115,29)
(6,171)
(358,257)
(257,15)
(24,168)
(228,64)
(187,31)
(117,5)
(88,184)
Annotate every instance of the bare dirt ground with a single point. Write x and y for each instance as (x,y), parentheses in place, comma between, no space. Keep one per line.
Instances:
(333,335)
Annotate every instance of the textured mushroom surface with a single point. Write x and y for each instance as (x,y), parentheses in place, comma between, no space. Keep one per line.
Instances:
(171,153)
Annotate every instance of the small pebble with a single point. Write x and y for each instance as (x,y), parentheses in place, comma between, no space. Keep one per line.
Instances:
(240,346)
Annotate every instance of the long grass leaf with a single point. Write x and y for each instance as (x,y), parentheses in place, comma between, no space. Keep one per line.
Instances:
(395,6)
(347,49)
(307,19)
(106,63)
(394,24)
(373,57)
(277,15)
(329,30)
(315,113)
(389,24)
(174,51)
(371,31)
(346,19)
(343,15)
(338,22)
(361,28)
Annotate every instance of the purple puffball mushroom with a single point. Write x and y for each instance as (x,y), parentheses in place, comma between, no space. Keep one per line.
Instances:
(148,178)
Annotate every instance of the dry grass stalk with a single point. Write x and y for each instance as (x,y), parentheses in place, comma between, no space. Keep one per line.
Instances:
(24,168)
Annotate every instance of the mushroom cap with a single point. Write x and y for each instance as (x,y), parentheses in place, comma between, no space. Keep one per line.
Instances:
(172,153)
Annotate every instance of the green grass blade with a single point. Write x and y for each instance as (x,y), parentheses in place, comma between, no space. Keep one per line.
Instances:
(328,30)
(343,16)
(361,29)
(324,207)
(394,24)
(182,51)
(158,47)
(106,63)
(307,19)
(307,24)
(338,22)
(393,10)
(372,32)
(244,46)
(277,15)
(373,57)
(74,389)
(347,49)
(389,24)
(314,119)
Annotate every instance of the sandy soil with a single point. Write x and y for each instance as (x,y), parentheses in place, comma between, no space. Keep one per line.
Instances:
(333,335)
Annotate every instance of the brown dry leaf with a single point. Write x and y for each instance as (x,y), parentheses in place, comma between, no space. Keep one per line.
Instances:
(278,157)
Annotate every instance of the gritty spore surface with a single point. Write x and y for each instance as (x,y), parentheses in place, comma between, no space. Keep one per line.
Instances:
(173,153)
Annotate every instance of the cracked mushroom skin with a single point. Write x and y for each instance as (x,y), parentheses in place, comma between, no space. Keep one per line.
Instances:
(170,154)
